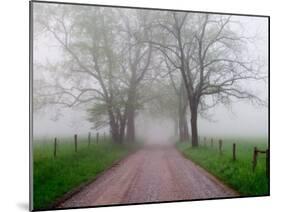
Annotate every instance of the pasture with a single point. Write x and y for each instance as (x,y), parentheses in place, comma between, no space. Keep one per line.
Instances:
(237,174)
(55,176)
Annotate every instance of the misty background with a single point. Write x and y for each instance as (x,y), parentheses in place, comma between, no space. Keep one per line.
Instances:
(241,118)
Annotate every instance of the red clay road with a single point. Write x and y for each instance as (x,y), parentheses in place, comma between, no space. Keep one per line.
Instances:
(153,174)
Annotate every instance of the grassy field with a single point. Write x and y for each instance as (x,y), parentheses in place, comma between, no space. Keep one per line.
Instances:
(237,174)
(53,177)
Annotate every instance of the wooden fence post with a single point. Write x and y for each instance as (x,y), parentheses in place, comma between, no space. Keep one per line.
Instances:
(220,146)
(255,154)
(234,152)
(55,147)
(89,138)
(75,142)
(267,162)
(212,142)
(97,137)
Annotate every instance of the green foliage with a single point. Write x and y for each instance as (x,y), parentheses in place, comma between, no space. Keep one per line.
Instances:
(237,174)
(53,177)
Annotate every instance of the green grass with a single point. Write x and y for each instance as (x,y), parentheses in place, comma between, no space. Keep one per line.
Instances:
(237,174)
(53,177)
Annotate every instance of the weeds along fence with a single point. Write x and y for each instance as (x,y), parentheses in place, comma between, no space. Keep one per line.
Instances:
(256,152)
(90,141)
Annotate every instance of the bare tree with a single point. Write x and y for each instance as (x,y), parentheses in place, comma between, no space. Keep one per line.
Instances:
(136,61)
(86,38)
(208,53)
(105,62)
(182,102)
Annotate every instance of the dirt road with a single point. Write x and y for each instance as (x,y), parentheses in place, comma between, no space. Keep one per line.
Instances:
(150,175)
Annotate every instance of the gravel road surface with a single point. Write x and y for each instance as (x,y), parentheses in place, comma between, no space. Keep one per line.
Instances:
(152,174)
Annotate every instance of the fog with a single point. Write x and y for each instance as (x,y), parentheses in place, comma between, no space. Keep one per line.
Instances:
(240,118)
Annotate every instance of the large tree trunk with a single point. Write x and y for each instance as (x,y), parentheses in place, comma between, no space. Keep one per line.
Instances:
(176,127)
(117,127)
(194,130)
(183,126)
(122,129)
(114,132)
(130,137)
(181,117)
(180,128)
(185,129)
